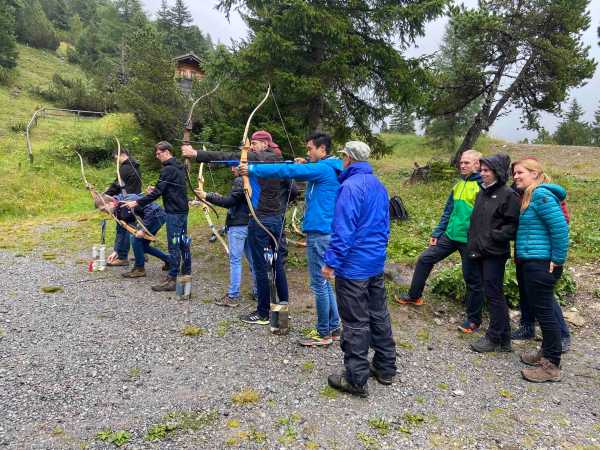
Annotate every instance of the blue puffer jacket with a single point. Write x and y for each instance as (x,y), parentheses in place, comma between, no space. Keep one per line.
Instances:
(543,231)
(361,225)
(320,192)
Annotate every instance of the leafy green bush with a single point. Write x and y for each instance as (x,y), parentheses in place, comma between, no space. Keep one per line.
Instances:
(75,93)
(449,283)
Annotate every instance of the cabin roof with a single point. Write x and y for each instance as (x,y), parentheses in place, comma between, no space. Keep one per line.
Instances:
(188,58)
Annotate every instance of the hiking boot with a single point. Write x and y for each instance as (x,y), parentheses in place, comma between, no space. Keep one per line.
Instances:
(166,267)
(316,340)
(386,380)
(226,300)
(468,327)
(338,381)
(254,318)
(484,345)
(523,333)
(118,263)
(405,299)
(565,343)
(336,335)
(532,358)
(136,272)
(545,371)
(167,286)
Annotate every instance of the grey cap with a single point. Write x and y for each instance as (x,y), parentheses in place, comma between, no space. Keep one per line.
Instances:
(357,150)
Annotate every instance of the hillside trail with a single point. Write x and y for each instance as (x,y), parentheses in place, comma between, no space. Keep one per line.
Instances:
(105,359)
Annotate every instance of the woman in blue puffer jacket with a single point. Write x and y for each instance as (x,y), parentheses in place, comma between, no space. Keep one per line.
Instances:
(541,247)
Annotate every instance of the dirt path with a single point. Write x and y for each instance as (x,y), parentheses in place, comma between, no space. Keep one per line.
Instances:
(106,359)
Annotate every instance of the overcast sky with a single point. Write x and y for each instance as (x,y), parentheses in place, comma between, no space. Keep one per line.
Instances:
(214,23)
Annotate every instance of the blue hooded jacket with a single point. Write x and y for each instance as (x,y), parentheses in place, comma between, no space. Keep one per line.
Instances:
(543,231)
(320,192)
(361,225)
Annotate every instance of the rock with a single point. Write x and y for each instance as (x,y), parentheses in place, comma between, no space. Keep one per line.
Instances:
(574,318)
(438,321)
(458,393)
(393,272)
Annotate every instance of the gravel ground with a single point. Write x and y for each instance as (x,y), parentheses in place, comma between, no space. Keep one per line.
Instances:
(106,359)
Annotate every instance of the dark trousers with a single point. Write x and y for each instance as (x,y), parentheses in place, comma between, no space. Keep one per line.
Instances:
(366,322)
(434,254)
(142,246)
(261,243)
(176,229)
(539,288)
(121,246)
(526,307)
(491,272)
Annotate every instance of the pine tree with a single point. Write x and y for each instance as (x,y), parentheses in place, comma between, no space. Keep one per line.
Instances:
(525,55)
(34,28)
(8,43)
(572,130)
(596,129)
(180,15)
(337,66)
(403,121)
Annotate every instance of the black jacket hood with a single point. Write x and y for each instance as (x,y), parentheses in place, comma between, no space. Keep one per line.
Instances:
(500,164)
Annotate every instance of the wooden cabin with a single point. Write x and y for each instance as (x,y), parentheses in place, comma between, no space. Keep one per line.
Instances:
(188,68)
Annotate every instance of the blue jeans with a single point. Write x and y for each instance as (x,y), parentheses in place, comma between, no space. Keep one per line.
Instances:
(238,247)
(141,246)
(121,242)
(527,308)
(259,241)
(328,318)
(176,229)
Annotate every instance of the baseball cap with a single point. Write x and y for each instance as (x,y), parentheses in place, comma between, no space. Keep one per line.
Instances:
(357,150)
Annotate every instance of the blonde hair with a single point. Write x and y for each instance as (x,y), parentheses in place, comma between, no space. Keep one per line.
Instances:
(531,165)
(473,154)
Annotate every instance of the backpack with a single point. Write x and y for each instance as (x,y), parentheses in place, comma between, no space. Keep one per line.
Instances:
(565,211)
(397,209)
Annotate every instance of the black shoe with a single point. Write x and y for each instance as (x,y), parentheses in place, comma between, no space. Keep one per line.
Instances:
(254,318)
(523,333)
(338,381)
(386,380)
(565,343)
(484,345)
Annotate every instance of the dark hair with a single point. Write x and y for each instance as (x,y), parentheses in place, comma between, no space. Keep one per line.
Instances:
(163,145)
(124,151)
(319,139)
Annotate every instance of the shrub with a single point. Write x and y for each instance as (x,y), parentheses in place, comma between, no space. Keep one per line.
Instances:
(449,283)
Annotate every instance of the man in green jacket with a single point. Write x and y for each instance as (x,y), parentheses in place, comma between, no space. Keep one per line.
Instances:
(449,236)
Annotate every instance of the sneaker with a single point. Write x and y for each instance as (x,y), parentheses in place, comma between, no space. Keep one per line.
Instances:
(468,327)
(523,333)
(338,381)
(118,263)
(336,335)
(484,345)
(226,300)
(386,380)
(545,371)
(316,340)
(565,343)
(405,299)
(254,318)
(167,286)
(136,272)
(532,358)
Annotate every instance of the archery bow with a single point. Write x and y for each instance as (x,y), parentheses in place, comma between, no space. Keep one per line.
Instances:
(95,195)
(206,211)
(246,179)
(122,186)
(187,131)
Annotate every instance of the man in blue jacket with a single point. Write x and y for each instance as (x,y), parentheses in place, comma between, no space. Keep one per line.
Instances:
(321,173)
(356,255)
